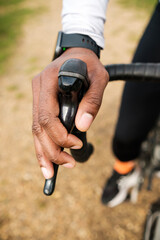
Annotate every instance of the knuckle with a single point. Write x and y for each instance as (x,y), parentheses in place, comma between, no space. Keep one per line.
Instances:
(100,75)
(105,78)
(44,119)
(105,75)
(55,157)
(54,160)
(94,100)
(63,141)
(40,159)
(36,129)
(50,71)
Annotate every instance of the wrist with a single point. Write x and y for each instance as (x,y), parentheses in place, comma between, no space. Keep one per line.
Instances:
(80,52)
(66,41)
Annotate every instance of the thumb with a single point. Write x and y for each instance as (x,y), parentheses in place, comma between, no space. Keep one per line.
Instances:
(90,104)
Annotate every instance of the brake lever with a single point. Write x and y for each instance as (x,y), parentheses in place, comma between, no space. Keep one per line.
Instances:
(73,83)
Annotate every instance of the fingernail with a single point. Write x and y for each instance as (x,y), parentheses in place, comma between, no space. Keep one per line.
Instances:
(46,173)
(85,121)
(77,146)
(68,165)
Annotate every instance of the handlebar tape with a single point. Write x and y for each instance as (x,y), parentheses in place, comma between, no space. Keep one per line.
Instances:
(134,72)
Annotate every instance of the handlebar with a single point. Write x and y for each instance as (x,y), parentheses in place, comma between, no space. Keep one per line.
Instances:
(149,72)
(73,83)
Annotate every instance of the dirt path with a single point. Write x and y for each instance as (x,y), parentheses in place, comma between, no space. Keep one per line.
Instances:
(75,211)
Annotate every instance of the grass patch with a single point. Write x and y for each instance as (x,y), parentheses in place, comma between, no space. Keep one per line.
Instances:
(9,2)
(20,96)
(147,5)
(12,88)
(11,20)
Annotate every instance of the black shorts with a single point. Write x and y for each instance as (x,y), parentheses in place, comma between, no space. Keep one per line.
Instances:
(140,106)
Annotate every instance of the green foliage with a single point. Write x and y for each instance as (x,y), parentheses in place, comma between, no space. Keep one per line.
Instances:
(12,88)
(9,2)
(10,24)
(11,19)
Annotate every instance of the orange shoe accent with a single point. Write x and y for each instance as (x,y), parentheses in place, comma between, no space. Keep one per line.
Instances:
(123,167)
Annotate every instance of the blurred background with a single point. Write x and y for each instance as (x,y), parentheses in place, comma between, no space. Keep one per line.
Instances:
(28,31)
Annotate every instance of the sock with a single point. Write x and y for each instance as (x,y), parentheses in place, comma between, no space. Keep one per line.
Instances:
(123,167)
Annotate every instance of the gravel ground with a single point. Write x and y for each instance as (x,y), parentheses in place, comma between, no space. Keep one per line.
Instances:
(75,211)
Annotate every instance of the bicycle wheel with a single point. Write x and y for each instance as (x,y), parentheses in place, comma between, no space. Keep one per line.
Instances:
(152,222)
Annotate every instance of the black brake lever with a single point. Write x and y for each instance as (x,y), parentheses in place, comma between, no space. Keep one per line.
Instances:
(73,84)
